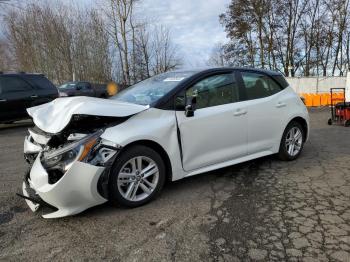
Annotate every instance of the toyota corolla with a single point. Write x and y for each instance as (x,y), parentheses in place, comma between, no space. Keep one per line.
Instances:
(84,151)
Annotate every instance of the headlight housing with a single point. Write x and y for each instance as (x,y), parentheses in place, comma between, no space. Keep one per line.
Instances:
(62,158)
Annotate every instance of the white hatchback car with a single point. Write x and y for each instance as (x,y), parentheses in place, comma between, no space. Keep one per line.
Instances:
(85,151)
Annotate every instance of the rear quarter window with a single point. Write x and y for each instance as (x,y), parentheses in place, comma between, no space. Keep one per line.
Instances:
(40,82)
(280,80)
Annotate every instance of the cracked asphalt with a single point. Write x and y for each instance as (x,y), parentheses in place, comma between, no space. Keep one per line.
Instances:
(262,210)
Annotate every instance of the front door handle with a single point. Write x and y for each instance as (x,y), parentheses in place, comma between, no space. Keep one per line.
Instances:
(240,112)
(281,104)
(34,96)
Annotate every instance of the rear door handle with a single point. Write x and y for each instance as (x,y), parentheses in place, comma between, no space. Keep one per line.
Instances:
(240,112)
(281,104)
(34,96)
(3,100)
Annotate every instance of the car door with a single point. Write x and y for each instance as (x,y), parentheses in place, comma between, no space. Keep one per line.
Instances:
(15,97)
(45,91)
(89,90)
(217,131)
(267,106)
(84,89)
(78,89)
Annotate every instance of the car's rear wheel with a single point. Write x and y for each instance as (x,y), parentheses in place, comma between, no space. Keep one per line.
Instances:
(292,142)
(137,177)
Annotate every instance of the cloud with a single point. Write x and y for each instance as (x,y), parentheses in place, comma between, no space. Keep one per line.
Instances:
(194,25)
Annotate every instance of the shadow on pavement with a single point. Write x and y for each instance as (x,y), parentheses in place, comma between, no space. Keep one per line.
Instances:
(183,186)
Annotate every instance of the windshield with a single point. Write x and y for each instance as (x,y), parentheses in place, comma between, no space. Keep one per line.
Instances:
(152,89)
(67,86)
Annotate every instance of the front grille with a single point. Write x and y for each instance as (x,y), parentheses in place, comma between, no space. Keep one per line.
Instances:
(54,175)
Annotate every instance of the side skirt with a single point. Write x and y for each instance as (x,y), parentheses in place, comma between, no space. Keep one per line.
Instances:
(229,163)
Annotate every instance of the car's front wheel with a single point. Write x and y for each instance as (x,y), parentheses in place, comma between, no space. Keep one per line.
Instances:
(137,177)
(292,142)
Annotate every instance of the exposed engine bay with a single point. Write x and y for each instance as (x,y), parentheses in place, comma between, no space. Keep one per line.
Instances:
(79,127)
(56,153)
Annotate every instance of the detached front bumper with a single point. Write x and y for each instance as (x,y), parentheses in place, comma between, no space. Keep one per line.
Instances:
(71,194)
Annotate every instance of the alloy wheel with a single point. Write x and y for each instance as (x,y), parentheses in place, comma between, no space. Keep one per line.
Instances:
(138,178)
(294,140)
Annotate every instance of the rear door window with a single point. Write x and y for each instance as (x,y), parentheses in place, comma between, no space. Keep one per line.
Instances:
(258,85)
(12,84)
(84,85)
(40,82)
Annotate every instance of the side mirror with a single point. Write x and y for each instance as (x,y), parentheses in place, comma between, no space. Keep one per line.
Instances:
(190,106)
(78,87)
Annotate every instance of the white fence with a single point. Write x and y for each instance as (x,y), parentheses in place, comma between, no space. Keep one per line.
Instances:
(316,85)
(319,85)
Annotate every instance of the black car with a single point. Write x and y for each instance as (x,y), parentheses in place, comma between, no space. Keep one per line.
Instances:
(83,88)
(19,91)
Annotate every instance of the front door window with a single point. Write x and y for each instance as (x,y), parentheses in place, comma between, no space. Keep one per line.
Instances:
(215,90)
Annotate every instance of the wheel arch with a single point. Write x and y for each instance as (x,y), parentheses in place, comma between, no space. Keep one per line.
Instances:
(302,121)
(159,149)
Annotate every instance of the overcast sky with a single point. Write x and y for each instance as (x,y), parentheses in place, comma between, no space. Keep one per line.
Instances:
(194,25)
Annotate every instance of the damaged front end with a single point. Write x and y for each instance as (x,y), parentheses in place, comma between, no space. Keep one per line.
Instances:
(69,161)
(69,170)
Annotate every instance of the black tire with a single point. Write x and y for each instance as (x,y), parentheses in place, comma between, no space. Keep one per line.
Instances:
(115,196)
(347,123)
(283,152)
(329,121)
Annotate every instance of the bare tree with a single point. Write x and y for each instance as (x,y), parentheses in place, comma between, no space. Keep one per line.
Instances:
(296,36)
(146,50)
(69,43)
(217,56)
(341,8)
(140,53)
(59,44)
(165,52)
(121,20)
(6,61)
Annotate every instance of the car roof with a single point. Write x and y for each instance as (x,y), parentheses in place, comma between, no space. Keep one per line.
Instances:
(19,74)
(75,82)
(71,82)
(214,69)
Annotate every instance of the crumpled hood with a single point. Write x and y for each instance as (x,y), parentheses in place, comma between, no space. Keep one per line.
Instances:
(54,116)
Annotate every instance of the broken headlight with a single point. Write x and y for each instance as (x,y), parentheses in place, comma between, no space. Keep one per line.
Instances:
(62,158)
